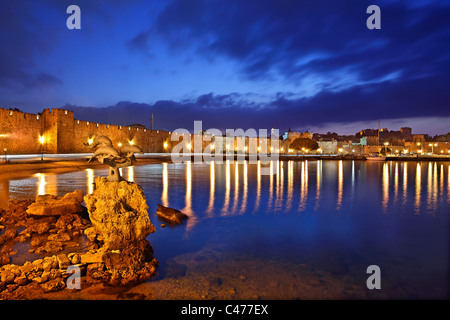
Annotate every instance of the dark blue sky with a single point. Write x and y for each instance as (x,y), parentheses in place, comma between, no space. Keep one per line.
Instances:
(308,65)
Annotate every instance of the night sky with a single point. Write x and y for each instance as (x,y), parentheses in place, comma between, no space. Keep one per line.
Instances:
(304,65)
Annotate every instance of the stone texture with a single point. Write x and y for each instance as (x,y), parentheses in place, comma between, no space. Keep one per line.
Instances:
(119,213)
(171,215)
(49,205)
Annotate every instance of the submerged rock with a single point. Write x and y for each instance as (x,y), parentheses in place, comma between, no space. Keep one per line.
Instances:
(171,215)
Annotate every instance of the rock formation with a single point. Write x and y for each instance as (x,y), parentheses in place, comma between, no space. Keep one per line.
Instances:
(120,224)
(171,215)
(50,205)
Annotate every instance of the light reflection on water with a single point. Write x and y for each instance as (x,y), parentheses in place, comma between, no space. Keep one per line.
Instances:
(238,188)
(391,213)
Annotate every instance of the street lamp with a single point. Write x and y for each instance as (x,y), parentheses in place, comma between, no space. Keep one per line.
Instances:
(42,140)
(385,147)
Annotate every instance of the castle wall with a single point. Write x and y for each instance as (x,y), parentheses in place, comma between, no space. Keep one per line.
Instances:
(20,133)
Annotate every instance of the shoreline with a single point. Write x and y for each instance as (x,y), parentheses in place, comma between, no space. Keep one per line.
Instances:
(24,169)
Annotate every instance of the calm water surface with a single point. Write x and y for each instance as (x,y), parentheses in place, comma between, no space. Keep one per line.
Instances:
(334,218)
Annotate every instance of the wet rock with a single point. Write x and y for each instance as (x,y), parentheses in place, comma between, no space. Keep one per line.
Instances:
(63,261)
(39,226)
(37,241)
(92,257)
(48,205)
(50,247)
(10,234)
(171,215)
(7,276)
(120,224)
(21,280)
(53,285)
(59,237)
(119,213)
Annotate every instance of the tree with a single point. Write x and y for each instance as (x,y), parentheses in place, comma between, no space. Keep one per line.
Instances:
(301,144)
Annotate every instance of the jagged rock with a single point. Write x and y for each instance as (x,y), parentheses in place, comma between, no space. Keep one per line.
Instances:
(40,226)
(7,276)
(59,237)
(53,285)
(169,214)
(119,213)
(92,256)
(63,261)
(48,205)
(10,234)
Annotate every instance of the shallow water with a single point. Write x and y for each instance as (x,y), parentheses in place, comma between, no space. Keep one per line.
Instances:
(310,230)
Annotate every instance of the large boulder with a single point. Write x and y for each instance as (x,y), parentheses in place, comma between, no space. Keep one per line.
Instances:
(50,205)
(120,224)
(119,213)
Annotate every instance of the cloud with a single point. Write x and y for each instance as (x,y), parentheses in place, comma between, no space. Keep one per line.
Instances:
(284,110)
(297,40)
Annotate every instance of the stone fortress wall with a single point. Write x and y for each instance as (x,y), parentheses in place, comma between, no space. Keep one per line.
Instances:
(56,131)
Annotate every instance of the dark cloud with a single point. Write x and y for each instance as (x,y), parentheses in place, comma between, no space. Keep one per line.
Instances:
(272,36)
(358,103)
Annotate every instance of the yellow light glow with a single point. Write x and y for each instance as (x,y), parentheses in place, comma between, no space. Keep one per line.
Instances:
(386,143)
(340,149)
(131,142)
(245,148)
(259,148)
(165,144)
(119,144)
(41,139)
(90,140)
(189,146)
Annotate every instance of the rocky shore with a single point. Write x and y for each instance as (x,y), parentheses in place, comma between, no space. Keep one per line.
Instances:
(104,242)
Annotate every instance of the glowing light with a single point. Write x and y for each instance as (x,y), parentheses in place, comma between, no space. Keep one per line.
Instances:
(131,174)
(211,187)
(90,140)
(165,196)
(131,142)
(90,180)
(41,139)
(165,144)
(119,144)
